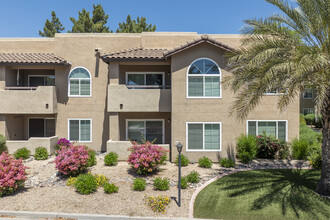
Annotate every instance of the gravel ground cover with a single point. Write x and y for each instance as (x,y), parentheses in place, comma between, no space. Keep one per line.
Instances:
(45,190)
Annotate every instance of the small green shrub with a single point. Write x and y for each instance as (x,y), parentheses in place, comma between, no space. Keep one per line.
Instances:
(205,162)
(22,153)
(283,150)
(246,148)
(86,184)
(101,180)
(110,188)
(300,149)
(184,182)
(139,184)
(161,184)
(158,203)
(227,162)
(91,161)
(308,134)
(193,177)
(111,159)
(2,143)
(41,153)
(312,119)
(315,156)
(302,120)
(184,160)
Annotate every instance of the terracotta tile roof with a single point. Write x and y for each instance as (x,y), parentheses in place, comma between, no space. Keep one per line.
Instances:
(160,54)
(202,39)
(135,53)
(31,58)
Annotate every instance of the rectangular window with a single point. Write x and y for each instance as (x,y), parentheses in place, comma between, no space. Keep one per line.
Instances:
(203,136)
(41,127)
(151,130)
(80,130)
(145,80)
(203,86)
(308,111)
(276,129)
(278,91)
(308,94)
(41,80)
(80,87)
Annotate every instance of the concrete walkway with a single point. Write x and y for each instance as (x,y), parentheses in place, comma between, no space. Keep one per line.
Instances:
(21,215)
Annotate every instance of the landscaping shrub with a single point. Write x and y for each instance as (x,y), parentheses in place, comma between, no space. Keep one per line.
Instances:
(63,142)
(145,158)
(71,161)
(184,182)
(300,149)
(302,120)
(268,146)
(86,184)
(246,148)
(139,184)
(71,180)
(315,157)
(283,150)
(205,162)
(184,160)
(158,204)
(91,161)
(161,184)
(41,153)
(101,180)
(22,153)
(312,119)
(111,159)
(193,177)
(2,143)
(308,134)
(12,174)
(110,188)
(227,162)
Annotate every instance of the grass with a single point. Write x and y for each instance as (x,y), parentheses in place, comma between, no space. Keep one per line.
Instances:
(263,194)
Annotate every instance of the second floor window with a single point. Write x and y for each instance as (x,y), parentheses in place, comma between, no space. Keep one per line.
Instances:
(79,82)
(308,94)
(140,80)
(203,79)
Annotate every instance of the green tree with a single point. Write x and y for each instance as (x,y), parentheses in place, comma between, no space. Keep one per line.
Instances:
(290,51)
(52,27)
(135,26)
(86,24)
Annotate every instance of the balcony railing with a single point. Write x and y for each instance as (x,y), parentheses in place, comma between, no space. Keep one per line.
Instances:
(148,87)
(20,88)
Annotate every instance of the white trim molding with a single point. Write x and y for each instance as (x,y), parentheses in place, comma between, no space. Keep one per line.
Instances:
(90,83)
(81,119)
(204,150)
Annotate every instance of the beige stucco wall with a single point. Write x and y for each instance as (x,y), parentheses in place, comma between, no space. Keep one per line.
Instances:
(216,110)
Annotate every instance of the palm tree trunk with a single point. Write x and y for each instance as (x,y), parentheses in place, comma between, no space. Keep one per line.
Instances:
(323,187)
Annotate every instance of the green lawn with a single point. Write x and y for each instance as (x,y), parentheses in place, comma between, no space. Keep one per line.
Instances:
(263,194)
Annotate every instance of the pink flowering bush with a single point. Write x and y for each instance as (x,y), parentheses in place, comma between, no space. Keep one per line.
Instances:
(146,157)
(12,174)
(72,160)
(62,142)
(268,146)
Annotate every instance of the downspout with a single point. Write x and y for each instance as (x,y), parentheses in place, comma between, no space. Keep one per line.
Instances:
(17,77)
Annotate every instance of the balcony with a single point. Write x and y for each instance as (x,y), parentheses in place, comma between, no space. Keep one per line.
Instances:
(28,100)
(138,99)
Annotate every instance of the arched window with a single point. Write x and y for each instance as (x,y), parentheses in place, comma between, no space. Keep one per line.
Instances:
(79,82)
(203,79)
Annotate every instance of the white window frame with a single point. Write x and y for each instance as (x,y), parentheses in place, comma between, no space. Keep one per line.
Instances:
(203,150)
(286,127)
(44,124)
(144,120)
(275,93)
(308,109)
(311,91)
(39,76)
(90,83)
(203,75)
(91,129)
(145,77)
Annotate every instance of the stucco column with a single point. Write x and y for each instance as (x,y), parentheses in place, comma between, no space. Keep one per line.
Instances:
(114,73)
(114,127)
(3,125)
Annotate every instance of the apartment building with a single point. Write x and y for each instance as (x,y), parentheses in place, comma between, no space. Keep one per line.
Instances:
(103,90)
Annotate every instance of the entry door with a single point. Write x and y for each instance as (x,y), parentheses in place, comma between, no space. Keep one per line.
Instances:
(41,127)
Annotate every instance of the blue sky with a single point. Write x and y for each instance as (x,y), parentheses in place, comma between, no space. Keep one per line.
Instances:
(22,18)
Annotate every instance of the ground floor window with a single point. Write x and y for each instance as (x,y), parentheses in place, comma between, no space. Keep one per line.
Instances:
(41,127)
(203,136)
(80,130)
(277,129)
(308,111)
(150,130)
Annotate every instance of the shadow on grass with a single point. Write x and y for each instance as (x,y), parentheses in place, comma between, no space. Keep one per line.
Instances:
(291,189)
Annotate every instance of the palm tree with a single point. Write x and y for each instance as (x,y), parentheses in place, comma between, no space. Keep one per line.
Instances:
(290,51)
